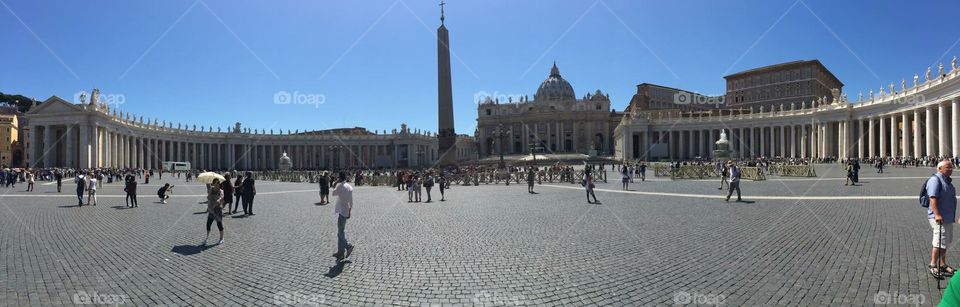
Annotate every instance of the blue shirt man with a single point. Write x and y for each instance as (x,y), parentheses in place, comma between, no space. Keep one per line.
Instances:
(941,187)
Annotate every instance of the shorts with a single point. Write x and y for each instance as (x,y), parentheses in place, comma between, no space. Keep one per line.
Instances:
(947,234)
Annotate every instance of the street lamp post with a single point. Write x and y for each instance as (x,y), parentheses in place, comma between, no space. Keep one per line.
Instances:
(499,133)
(336,153)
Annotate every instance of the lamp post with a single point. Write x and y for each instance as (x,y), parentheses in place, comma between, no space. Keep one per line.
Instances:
(499,133)
(420,157)
(336,153)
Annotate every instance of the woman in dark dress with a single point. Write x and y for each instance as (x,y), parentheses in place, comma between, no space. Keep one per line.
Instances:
(227,188)
(237,191)
(324,182)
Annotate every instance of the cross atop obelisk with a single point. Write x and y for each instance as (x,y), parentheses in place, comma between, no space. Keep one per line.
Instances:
(441,11)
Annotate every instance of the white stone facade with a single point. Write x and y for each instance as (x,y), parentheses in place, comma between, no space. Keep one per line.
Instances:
(922,120)
(63,134)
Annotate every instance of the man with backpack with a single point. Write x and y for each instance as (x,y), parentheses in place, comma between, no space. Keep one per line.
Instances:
(81,182)
(940,198)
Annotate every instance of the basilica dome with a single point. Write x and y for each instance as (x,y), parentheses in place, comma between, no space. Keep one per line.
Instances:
(555,87)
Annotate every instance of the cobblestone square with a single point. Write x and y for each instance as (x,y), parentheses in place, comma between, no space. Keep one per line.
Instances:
(798,241)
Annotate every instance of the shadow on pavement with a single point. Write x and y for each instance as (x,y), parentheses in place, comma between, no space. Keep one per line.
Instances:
(337,269)
(187,250)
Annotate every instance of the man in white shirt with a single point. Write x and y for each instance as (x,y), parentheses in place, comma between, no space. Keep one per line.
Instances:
(734,180)
(344,193)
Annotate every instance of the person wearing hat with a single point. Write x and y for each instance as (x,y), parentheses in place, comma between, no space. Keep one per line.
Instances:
(734,180)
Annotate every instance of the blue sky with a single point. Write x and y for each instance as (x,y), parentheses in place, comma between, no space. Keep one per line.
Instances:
(373,63)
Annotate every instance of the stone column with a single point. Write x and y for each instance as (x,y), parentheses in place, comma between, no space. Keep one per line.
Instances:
(917,123)
(931,146)
(872,138)
(862,139)
(70,157)
(954,127)
(47,153)
(883,136)
(893,136)
(783,141)
(943,136)
(905,141)
(804,141)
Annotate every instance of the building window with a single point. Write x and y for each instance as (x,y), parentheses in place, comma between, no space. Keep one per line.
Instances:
(489,112)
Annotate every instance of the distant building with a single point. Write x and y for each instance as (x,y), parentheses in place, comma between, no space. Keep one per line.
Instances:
(658,97)
(11,151)
(90,135)
(554,121)
(788,84)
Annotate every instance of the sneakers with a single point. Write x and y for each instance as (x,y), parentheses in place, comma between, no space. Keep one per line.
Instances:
(220,242)
(204,242)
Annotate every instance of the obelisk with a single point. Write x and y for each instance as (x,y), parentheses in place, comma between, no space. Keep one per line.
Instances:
(446,136)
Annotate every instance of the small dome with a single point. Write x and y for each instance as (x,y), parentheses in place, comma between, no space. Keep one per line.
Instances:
(555,87)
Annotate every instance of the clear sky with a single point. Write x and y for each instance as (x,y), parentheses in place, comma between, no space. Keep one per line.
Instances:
(373,63)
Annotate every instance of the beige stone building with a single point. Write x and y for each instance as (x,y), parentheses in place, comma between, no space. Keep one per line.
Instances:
(789,84)
(554,121)
(11,153)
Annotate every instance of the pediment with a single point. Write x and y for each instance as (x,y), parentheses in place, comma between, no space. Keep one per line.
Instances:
(54,104)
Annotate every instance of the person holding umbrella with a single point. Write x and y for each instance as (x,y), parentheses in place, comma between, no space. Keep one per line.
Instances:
(214,208)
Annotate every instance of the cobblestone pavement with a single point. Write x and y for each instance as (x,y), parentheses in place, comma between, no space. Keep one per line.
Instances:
(800,241)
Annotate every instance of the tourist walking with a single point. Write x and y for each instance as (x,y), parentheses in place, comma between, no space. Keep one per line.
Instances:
(344,193)
(249,191)
(59,177)
(428,184)
(417,188)
(214,209)
(92,190)
(130,186)
(409,188)
(81,182)
(29,176)
(723,176)
(227,188)
(588,185)
(941,197)
(238,188)
(734,180)
(643,171)
(324,182)
(442,182)
(851,173)
(531,177)
(625,173)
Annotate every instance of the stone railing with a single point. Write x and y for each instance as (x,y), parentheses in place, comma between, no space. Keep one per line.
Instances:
(793,170)
(752,173)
